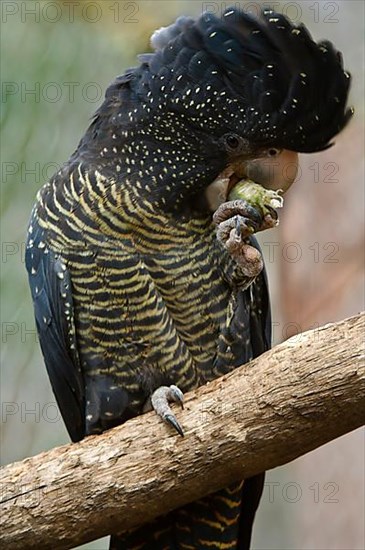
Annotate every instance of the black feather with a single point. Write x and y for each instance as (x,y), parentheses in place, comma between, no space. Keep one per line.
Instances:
(269,81)
(51,290)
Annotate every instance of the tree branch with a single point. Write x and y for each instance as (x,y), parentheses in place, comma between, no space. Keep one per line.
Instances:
(294,398)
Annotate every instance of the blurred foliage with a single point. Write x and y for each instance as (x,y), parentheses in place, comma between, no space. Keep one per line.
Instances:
(40,130)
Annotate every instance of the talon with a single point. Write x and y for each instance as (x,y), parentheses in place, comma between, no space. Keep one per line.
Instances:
(252,225)
(160,400)
(273,213)
(177,395)
(171,419)
(229,210)
(254,215)
(238,226)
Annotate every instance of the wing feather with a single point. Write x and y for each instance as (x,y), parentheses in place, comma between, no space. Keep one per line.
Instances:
(51,291)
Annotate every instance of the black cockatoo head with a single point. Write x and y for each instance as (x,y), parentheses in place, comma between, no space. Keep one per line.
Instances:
(218,94)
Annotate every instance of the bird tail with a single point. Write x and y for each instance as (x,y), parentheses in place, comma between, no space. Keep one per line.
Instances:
(221,520)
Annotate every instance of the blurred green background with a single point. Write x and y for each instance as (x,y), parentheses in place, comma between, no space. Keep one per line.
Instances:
(56,60)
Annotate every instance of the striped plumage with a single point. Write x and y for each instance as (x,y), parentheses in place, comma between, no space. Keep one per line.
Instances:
(131,288)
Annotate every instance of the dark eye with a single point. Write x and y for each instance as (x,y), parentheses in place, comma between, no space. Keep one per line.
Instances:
(273,152)
(232,141)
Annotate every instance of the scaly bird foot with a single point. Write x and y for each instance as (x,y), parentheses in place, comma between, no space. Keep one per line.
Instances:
(254,219)
(236,221)
(160,400)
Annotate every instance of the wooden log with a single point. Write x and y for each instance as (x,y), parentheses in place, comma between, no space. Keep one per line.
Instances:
(294,398)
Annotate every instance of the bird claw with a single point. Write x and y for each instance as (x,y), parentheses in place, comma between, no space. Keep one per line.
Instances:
(160,400)
(239,207)
(272,212)
(236,221)
(238,226)
(237,215)
(171,419)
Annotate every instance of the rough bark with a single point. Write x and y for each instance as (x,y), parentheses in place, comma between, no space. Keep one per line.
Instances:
(294,398)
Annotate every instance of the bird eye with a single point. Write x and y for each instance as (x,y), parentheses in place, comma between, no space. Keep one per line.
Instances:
(273,152)
(232,141)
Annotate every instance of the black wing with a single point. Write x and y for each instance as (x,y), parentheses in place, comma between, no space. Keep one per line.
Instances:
(51,290)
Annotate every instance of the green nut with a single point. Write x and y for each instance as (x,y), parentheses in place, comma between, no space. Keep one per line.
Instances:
(256,195)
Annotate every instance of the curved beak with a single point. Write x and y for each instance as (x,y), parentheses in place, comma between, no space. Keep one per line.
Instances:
(272,172)
(277,172)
